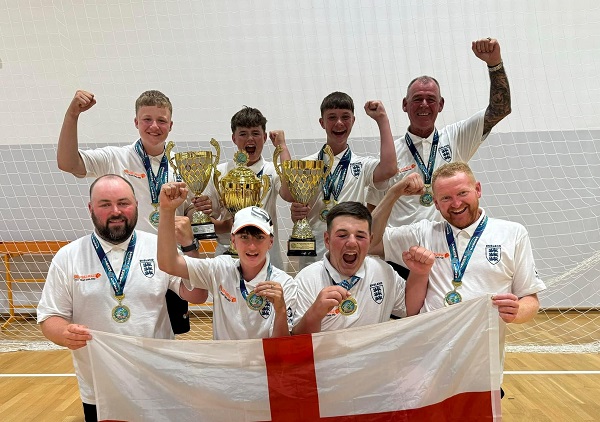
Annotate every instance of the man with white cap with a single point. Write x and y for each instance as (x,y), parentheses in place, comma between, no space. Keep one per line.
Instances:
(252,298)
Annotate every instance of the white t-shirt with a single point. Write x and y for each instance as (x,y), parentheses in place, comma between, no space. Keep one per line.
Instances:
(379,293)
(457,142)
(502,261)
(358,177)
(269,204)
(78,290)
(232,318)
(124,161)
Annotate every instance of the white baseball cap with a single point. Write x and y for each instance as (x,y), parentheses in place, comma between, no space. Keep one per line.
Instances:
(252,216)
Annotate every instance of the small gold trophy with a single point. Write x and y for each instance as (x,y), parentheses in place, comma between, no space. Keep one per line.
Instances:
(241,188)
(195,169)
(303,177)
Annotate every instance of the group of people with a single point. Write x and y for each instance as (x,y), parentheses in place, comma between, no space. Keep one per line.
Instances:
(417,206)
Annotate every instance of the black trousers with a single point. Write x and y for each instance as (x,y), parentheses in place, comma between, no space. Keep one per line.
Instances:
(89,412)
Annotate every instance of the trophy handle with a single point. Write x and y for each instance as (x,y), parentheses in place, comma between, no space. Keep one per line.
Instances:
(266,185)
(331,158)
(278,167)
(168,149)
(215,144)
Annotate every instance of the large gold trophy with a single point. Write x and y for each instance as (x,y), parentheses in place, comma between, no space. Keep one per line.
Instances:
(241,188)
(195,169)
(303,177)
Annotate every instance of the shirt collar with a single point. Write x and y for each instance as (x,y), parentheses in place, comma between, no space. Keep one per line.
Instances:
(262,274)
(471,229)
(256,167)
(107,246)
(416,139)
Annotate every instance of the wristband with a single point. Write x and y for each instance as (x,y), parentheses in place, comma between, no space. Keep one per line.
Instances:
(190,248)
(496,68)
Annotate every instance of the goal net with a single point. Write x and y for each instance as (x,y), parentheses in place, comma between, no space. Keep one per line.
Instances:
(540,167)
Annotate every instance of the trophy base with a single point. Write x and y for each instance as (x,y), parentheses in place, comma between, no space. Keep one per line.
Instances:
(302,247)
(204,231)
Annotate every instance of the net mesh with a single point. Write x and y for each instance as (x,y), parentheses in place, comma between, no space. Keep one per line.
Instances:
(540,167)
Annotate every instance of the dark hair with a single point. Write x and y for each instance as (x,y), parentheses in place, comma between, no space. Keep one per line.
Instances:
(352,209)
(424,79)
(251,231)
(153,98)
(337,100)
(248,117)
(110,176)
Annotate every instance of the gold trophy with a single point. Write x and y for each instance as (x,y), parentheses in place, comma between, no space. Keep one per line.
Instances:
(303,177)
(195,169)
(241,188)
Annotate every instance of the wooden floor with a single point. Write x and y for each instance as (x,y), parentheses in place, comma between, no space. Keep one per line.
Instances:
(530,398)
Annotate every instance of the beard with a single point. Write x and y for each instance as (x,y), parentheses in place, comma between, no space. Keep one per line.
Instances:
(115,235)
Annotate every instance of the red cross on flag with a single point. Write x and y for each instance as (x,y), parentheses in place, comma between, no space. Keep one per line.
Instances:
(439,366)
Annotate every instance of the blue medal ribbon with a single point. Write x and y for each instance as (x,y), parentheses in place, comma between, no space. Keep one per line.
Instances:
(154,182)
(427,171)
(459,268)
(338,175)
(118,285)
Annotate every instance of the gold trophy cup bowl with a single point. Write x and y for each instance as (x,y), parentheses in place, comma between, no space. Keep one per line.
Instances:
(303,178)
(195,169)
(241,188)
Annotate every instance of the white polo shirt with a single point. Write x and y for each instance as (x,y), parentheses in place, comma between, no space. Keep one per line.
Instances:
(78,290)
(232,318)
(358,177)
(124,161)
(269,204)
(378,293)
(457,142)
(502,261)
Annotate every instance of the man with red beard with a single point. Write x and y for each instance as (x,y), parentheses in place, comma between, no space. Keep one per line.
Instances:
(107,281)
(347,288)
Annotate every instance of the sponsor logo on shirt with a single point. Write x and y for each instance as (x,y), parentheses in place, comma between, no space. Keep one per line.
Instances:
(86,277)
(228,296)
(407,168)
(441,255)
(134,174)
(333,312)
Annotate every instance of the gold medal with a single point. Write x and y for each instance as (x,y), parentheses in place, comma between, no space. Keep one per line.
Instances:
(154,216)
(452,298)
(120,313)
(325,211)
(255,302)
(427,198)
(348,306)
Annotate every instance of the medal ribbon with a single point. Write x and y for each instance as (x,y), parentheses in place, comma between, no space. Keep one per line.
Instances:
(348,284)
(154,182)
(339,175)
(118,285)
(427,171)
(243,288)
(458,269)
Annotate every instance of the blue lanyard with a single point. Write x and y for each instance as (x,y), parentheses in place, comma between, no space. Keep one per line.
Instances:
(348,284)
(427,171)
(154,182)
(243,288)
(118,285)
(458,269)
(339,175)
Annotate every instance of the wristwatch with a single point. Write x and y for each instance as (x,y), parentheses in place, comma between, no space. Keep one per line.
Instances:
(192,247)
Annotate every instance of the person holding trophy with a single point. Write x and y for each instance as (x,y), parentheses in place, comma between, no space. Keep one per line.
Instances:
(252,297)
(248,132)
(144,164)
(350,173)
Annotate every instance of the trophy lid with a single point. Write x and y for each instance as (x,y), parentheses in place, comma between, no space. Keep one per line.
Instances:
(242,173)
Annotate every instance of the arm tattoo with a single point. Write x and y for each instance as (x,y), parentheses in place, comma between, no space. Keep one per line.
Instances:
(499,106)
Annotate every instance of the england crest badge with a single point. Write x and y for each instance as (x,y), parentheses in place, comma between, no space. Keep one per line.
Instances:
(492,253)
(446,153)
(377,292)
(148,267)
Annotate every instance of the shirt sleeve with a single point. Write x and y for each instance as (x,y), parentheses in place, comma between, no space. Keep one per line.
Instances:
(57,296)
(526,280)
(97,161)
